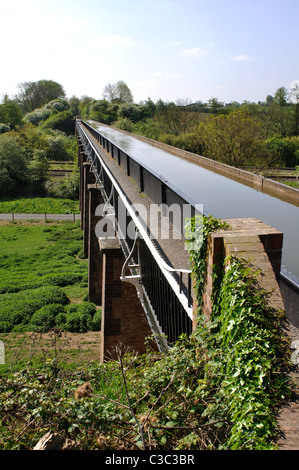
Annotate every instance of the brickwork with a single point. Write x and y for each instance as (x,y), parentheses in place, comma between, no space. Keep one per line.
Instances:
(93,249)
(88,179)
(123,318)
(259,245)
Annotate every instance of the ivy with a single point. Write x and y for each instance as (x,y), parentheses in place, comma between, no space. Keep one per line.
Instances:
(246,352)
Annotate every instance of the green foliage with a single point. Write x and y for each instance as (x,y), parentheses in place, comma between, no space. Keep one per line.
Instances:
(38,115)
(33,95)
(61,147)
(101,111)
(62,121)
(10,114)
(234,139)
(4,128)
(13,166)
(24,160)
(80,318)
(67,188)
(245,351)
(188,141)
(46,205)
(38,270)
(201,227)
(124,123)
(251,340)
(283,151)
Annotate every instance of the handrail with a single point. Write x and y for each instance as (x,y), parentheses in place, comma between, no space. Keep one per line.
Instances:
(165,268)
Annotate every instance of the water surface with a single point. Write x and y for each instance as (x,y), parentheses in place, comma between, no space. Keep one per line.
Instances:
(221,197)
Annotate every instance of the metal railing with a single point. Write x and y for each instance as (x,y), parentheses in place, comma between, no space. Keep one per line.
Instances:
(164,292)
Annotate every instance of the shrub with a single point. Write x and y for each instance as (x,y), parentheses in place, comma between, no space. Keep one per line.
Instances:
(61,121)
(38,115)
(13,165)
(234,139)
(4,128)
(125,124)
(45,318)
(96,321)
(61,146)
(58,105)
(63,279)
(79,319)
(282,151)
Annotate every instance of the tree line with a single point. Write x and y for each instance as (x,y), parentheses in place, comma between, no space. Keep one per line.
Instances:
(37,126)
(261,134)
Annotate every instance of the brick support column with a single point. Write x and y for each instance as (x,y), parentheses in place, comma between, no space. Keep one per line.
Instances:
(254,242)
(123,318)
(93,249)
(81,160)
(88,179)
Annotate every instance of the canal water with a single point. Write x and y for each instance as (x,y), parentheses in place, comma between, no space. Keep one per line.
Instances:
(221,196)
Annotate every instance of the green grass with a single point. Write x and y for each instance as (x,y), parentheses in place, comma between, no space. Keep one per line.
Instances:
(43,280)
(293,184)
(40,205)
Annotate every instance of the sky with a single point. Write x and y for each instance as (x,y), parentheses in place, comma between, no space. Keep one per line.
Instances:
(195,50)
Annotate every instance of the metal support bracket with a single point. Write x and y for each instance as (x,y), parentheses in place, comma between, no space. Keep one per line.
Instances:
(134,279)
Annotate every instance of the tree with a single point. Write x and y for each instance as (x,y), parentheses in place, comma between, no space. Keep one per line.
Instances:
(13,166)
(34,95)
(215,105)
(176,117)
(10,113)
(279,110)
(118,93)
(74,105)
(234,139)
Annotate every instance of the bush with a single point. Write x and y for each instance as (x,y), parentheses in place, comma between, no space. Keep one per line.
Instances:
(96,321)
(125,124)
(18,309)
(68,188)
(13,166)
(4,128)
(60,146)
(57,105)
(282,151)
(62,121)
(62,280)
(80,319)
(45,318)
(37,116)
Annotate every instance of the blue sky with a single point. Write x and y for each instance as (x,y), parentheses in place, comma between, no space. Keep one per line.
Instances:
(233,50)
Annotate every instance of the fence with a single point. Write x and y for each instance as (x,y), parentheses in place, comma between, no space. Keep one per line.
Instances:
(164,292)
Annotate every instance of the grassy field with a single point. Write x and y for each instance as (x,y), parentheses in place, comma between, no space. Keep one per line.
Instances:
(39,205)
(43,286)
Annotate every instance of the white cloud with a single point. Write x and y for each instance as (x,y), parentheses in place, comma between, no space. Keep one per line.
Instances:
(242,58)
(195,52)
